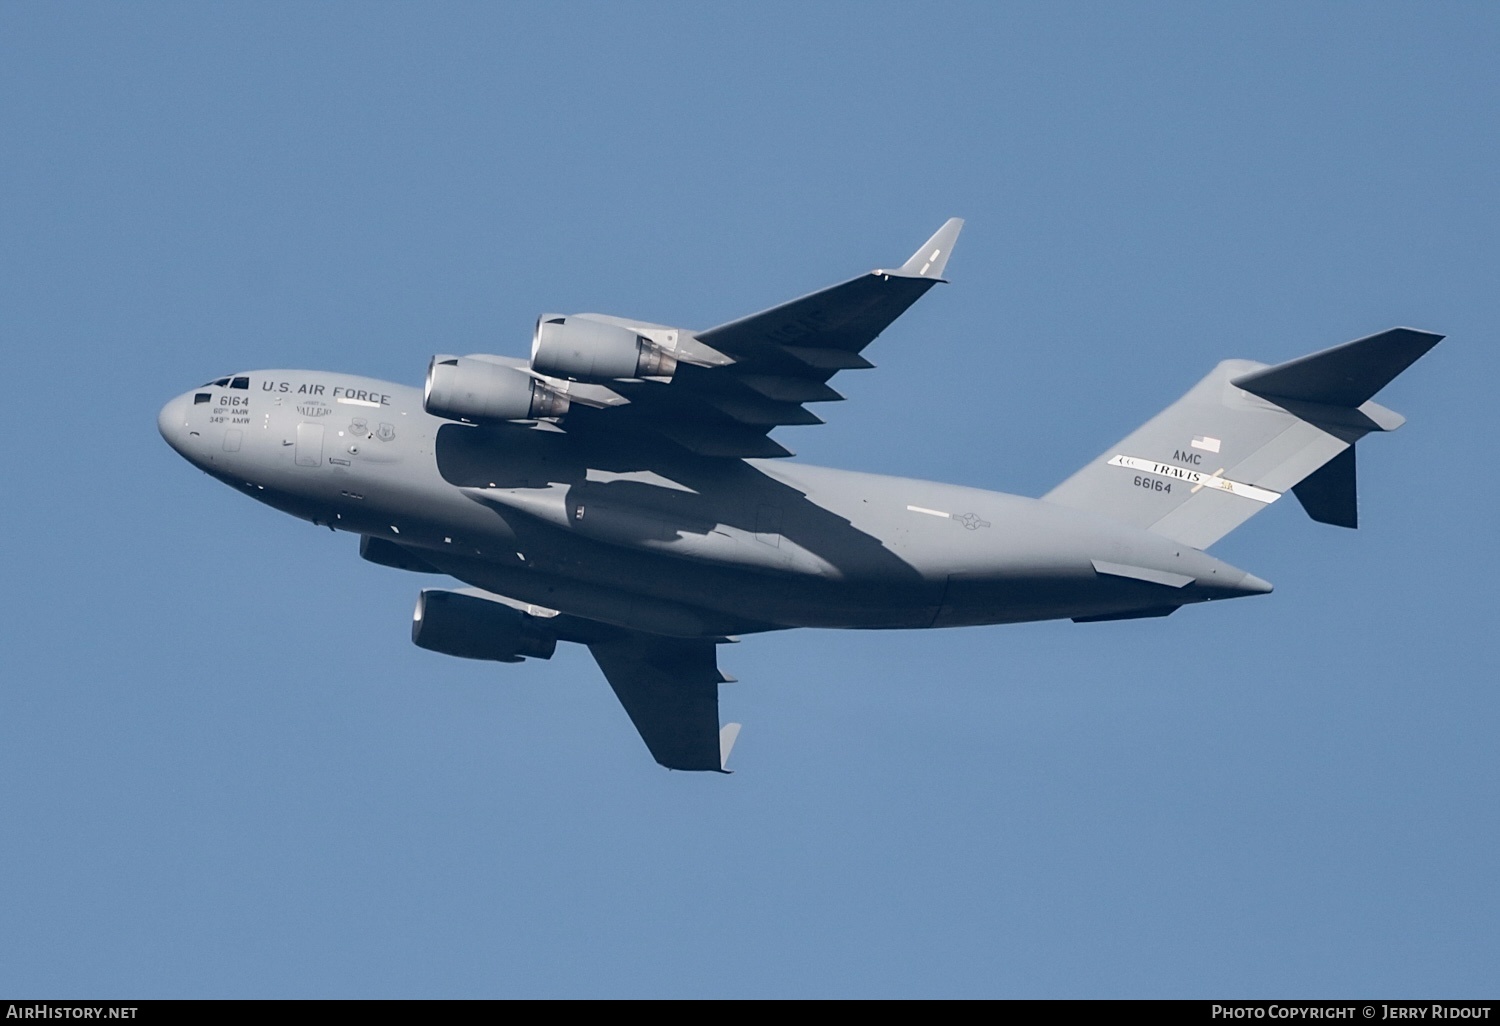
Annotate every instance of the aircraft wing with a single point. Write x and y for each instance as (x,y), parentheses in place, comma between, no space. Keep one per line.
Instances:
(670,689)
(758,372)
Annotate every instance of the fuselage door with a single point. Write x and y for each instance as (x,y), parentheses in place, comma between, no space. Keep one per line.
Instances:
(309,445)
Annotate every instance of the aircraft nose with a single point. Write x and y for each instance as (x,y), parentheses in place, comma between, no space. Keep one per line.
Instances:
(172,423)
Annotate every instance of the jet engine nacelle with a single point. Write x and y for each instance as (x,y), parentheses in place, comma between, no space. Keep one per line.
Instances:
(468,388)
(471,626)
(588,350)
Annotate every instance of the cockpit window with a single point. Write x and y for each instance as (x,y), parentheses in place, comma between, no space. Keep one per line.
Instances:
(202,397)
(221,382)
(240,382)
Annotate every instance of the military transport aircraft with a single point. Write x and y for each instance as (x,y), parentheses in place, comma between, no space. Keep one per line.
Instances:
(620,490)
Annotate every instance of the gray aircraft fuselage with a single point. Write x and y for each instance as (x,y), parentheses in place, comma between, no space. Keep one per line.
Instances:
(658,540)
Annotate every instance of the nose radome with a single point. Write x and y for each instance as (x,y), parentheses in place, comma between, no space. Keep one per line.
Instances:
(172,422)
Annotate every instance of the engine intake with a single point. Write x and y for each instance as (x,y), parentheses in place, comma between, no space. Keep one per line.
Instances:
(467,388)
(588,350)
(471,626)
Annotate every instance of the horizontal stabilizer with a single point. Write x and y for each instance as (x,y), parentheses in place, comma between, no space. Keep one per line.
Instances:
(1329,494)
(1345,375)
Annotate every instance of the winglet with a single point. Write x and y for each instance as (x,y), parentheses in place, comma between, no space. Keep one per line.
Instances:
(929,261)
(728,734)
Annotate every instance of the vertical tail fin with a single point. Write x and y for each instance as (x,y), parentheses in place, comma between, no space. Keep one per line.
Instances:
(1245,435)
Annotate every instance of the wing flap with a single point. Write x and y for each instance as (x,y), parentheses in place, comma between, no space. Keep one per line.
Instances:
(789,389)
(755,412)
(724,440)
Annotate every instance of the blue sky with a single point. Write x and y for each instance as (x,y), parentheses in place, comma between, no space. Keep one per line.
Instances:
(225,770)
